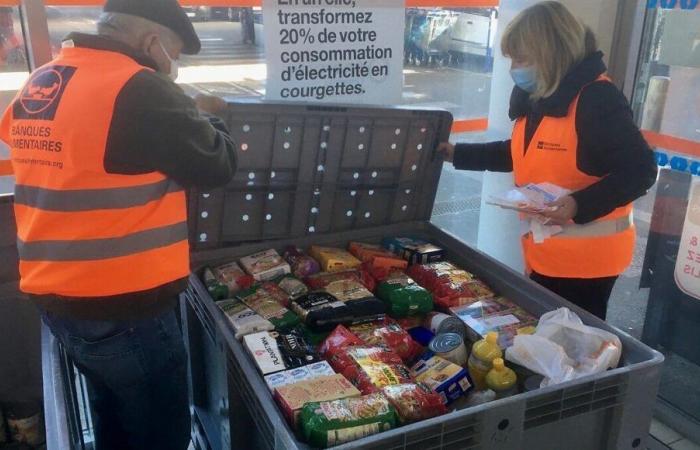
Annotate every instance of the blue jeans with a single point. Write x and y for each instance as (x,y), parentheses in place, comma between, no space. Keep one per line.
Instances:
(136,378)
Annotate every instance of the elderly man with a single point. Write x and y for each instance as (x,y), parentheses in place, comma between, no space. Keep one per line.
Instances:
(103,144)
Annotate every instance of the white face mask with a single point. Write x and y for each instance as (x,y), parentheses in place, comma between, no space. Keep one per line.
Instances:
(174,65)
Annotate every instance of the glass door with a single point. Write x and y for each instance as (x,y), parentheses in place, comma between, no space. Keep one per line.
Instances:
(667,106)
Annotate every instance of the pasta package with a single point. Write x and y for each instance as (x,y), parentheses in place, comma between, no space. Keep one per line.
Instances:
(387,332)
(302,265)
(414,402)
(327,424)
(370,368)
(260,300)
(334,259)
(377,257)
(244,320)
(266,265)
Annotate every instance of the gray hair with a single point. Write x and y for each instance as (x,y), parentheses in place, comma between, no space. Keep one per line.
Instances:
(131,30)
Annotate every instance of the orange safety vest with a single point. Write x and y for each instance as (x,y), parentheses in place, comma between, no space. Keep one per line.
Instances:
(83,232)
(551,157)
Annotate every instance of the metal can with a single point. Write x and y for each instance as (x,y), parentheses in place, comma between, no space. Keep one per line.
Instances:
(441,323)
(450,346)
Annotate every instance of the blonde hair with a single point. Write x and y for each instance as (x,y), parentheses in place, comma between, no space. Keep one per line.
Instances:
(550,37)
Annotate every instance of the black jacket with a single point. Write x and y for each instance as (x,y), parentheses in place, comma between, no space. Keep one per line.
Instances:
(610,145)
(155,127)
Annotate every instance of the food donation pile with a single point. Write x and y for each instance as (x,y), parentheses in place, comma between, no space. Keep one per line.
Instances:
(357,341)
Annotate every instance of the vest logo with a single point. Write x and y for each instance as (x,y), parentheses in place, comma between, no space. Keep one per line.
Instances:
(42,94)
(551,146)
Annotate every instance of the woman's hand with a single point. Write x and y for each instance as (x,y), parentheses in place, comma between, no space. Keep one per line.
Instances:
(447,151)
(561,211)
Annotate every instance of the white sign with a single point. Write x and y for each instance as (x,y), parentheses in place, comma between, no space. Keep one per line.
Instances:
(339,51)
(688,261)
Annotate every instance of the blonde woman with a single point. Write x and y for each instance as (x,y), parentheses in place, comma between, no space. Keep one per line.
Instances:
(573,128)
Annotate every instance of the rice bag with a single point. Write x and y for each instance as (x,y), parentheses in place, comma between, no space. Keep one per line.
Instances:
(244,320)
(321,311)
(377,257)
(302,265)
(327,424)
(334,259)
(268,307)
(387,332)
(266,265)
(370,368)
(292,286)
(320,280)
(340,338)
(216,289)
(233,277)
(404,297)
(414,402)
(296,351)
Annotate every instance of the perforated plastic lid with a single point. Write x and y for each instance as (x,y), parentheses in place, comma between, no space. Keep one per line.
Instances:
(308,169)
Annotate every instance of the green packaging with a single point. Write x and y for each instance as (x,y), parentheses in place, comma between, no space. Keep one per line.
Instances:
(327,424)
(216,289)
(404,297)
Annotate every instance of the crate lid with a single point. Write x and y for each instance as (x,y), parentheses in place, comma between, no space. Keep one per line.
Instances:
(318,169)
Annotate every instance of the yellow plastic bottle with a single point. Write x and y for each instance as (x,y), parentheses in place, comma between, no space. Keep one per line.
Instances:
(501,379)
(481,359)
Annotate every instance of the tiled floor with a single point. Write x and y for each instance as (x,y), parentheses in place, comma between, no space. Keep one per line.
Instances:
(669,438)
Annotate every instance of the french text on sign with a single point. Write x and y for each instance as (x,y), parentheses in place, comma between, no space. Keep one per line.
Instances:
(340,51)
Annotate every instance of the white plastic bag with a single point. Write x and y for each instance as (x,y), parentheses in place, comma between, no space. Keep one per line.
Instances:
(563,348)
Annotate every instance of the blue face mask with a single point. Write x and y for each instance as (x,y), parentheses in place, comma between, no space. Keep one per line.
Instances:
(525,78)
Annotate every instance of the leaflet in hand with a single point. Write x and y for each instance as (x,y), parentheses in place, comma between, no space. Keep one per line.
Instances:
(529,199)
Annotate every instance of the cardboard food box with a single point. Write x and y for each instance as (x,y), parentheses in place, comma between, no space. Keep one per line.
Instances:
(442,376)
(334,259)
(415,251)
(266,265)
(265,352)
(311,371)
(293,397)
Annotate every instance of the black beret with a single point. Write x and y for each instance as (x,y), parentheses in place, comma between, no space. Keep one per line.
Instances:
(164,12)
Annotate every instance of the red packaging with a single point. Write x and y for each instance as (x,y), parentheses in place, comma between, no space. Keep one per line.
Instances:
(340,338)
(431,275)
(276,293)
(414,402)
(452,296)
(380,274)
(389,333)
(370,368)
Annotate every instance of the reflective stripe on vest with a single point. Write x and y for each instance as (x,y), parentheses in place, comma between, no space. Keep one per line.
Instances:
(599,250)
(83,232)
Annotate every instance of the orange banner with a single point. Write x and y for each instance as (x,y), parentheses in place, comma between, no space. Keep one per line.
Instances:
(672,143)
(9,2)
(409,3)
(5,167)
(469,125)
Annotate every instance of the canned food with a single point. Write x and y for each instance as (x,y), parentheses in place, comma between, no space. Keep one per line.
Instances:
(440,323)
(450,346)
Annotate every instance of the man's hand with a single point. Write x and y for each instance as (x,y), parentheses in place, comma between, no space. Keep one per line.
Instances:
(447,151)
(561,211)
(210,104)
